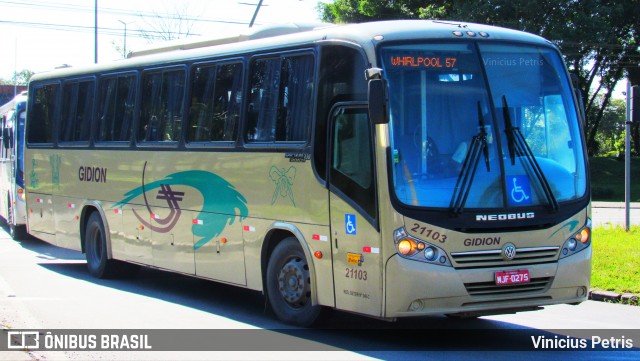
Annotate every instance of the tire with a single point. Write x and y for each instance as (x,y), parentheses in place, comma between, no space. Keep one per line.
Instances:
(15,231)
(288,285)
(95,246)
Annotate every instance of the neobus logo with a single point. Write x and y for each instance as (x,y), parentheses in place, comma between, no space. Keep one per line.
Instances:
(504,216)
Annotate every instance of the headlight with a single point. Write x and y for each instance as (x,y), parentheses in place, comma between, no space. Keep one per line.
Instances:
(430,253)
(577,242)
(419,250)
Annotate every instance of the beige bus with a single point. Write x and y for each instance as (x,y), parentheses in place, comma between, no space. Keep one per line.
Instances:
(391,169)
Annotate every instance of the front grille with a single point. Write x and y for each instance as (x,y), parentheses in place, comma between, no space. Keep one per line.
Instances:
(493,258)
(491,289)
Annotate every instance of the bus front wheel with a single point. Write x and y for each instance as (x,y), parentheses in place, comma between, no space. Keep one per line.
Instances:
(17,232)
(289,285)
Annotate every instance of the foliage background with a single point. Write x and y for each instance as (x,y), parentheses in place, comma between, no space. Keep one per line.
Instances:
(599,40)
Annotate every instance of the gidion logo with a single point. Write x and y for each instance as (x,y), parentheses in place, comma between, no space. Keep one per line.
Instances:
(504,216)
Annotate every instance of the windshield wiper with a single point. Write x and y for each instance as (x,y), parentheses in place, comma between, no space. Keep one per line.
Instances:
(469,166)
(517,145)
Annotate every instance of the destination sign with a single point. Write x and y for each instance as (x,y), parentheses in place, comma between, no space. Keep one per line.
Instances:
(412,61)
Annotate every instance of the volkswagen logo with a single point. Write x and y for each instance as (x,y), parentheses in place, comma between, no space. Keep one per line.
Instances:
(508,252)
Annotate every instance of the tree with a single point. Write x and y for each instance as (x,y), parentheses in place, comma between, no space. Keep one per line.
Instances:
(598,38)
(161,27)
(612,127)
(21,78)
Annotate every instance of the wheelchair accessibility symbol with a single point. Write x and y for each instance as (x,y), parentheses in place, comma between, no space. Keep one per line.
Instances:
(519,189)
(350,223)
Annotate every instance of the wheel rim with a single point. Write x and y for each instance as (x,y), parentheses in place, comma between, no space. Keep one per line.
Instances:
(293,282)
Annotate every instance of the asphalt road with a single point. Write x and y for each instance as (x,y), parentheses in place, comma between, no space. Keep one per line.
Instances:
(43,287)
(613,214)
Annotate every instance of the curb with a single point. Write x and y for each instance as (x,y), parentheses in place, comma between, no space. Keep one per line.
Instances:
(607,296)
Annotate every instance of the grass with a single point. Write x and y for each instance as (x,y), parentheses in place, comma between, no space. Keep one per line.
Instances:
(616,260)
(607,179)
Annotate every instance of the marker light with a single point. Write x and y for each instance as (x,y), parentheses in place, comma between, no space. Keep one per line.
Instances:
(317,254)
(584,235)
(407,247)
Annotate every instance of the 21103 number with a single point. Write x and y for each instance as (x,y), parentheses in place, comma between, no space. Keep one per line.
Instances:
(429,233)
(357,274)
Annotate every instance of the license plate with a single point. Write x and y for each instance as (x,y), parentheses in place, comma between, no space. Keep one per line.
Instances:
(512,277)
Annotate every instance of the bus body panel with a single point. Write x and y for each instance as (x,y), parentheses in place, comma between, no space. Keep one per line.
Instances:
(444,293)
(157,226)
(357,260)
(470,286)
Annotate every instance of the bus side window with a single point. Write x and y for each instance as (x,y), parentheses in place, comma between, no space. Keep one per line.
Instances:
(162,105)
(116,108)
(281,99)
(340,79)
(77,110)
(42,114)
(216,97)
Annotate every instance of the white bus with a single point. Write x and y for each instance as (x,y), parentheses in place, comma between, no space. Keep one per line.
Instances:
(391,169)
(12,197)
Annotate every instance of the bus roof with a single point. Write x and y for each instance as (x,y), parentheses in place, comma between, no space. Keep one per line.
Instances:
(367,35)
(259,32)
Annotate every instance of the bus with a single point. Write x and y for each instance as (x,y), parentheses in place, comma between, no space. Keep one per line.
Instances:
(391,169)
(12,194)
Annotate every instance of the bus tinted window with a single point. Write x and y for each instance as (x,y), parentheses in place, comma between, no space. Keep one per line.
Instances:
(352,158)
(43,113)
(281,100)
(77,106)
(215,102)
(162,105)
(116,108)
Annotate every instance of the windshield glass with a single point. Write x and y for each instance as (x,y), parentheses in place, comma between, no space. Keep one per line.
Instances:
(462,139)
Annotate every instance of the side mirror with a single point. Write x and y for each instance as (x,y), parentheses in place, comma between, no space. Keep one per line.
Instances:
(377,101)
(575,81)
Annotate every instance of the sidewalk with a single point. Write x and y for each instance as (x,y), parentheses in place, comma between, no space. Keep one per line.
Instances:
(613,213)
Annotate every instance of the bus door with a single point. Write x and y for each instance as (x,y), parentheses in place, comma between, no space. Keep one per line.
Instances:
(40,197)
(357,263)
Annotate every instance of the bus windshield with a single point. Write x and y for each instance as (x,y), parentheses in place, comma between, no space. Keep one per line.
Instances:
(482,125)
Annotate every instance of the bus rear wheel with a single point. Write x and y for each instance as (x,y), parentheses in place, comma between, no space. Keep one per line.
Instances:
(289,285)
(95,246)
